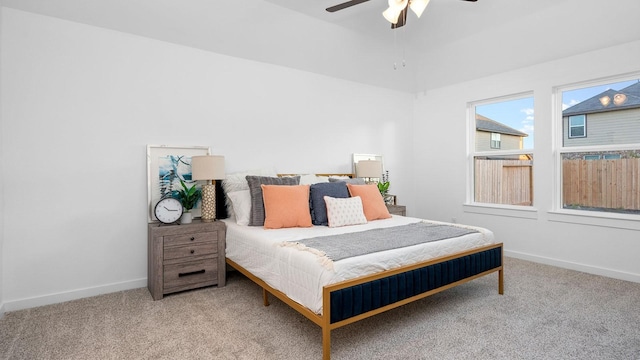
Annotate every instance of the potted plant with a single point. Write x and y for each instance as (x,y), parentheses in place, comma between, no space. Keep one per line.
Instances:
(188,197)
(383,187)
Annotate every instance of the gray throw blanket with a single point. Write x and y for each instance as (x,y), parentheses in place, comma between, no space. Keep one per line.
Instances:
(337,247)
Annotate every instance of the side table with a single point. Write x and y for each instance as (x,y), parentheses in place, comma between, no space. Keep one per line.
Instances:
(397,210)
(184,257)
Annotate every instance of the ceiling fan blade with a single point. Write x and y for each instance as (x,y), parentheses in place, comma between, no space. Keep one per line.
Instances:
(345,5)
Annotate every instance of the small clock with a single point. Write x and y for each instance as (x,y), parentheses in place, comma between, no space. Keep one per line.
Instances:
(168,210)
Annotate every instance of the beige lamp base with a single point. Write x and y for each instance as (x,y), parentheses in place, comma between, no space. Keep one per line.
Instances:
(208,211)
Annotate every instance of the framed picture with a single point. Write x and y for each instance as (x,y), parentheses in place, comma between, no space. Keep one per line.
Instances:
(358,157)
(166,166)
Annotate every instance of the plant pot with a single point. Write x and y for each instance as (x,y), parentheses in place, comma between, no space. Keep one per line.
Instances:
(389,199)
(186,218)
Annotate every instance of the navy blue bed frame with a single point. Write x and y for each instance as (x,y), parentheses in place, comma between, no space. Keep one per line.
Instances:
(352,300)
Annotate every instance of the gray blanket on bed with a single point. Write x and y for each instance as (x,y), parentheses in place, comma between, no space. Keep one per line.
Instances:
(337,247)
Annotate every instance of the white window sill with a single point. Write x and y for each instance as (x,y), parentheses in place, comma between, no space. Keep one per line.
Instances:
(525,212)
(613,220)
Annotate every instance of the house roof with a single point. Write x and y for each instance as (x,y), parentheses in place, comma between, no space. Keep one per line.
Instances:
(483,123)
(594,105)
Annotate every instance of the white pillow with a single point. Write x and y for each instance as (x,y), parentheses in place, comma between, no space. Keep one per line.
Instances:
(241,202)
(310,179)
(344,211)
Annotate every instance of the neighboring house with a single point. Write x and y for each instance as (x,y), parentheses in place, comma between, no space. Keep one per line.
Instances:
(610,117)
(492,135)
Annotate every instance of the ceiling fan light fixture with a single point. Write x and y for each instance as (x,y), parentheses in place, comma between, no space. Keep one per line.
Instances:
(395,8)
(418,6)
(619,99)
(391,15)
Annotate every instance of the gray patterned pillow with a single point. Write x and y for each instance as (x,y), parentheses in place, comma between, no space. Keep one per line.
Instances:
(256,217)
(354,181)
(238,181)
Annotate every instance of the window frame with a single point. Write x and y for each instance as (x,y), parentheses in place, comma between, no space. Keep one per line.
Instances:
(494,141)
(470,205)
(558,213)
(583,126)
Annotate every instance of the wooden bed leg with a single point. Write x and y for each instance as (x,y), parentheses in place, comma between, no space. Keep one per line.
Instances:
(326,343)
(501,281)
(265,297)
(326,324)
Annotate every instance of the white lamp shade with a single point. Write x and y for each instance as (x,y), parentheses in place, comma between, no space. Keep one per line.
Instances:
(391,15)
(398,4)
(393,12)
(418,6)
(207,167)
(369,169)
(619,99)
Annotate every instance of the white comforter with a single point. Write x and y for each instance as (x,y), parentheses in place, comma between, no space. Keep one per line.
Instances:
(300,275)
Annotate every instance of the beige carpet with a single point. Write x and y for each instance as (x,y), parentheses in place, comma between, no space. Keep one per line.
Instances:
(545,313)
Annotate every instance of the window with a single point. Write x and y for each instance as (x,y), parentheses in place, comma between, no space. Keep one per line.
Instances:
(577,126)
(600,172)
(502,157)
(495,141)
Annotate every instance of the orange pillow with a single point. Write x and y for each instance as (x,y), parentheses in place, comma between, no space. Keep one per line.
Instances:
(372,202)
(286,206)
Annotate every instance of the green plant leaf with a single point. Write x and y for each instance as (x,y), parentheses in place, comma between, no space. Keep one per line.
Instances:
(383,187)
(188,196)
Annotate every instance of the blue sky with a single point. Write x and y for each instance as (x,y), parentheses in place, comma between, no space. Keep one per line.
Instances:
(518,113)
(570,98)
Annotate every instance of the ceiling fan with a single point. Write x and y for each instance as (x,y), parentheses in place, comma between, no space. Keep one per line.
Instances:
(396,14)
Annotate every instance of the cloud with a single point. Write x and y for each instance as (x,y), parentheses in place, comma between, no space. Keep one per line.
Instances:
(527,122)
(571,103)
(528,112)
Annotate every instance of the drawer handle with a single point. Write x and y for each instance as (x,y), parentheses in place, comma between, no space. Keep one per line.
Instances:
(193,251)
(192,238)
(191,273)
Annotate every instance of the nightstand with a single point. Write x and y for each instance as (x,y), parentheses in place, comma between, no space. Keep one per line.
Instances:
(397,210)
(184,257)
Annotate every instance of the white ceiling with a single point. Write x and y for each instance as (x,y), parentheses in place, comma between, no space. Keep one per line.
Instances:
(453,41)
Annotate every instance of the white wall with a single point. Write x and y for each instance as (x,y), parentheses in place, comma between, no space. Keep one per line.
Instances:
(602,249)
(81,103)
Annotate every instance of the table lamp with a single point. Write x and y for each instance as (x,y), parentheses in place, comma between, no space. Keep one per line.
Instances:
(369,169)
(209,168)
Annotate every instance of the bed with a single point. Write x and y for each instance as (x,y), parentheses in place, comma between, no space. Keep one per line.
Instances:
(334,293)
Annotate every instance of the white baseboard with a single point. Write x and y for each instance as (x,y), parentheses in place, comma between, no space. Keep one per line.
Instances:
(134,284)
(616,274)
(72,295)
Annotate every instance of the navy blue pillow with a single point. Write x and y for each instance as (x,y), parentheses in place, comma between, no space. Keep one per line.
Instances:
(317,192)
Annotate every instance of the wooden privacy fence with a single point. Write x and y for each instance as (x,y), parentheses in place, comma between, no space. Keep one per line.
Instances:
(504,181)
(611,184)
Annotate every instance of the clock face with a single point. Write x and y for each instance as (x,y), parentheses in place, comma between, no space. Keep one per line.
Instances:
(168,210)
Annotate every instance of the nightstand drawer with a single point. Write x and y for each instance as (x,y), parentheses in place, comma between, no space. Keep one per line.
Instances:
(179,275)
(397,210)
(194,250)
(183,239)
(186,256)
